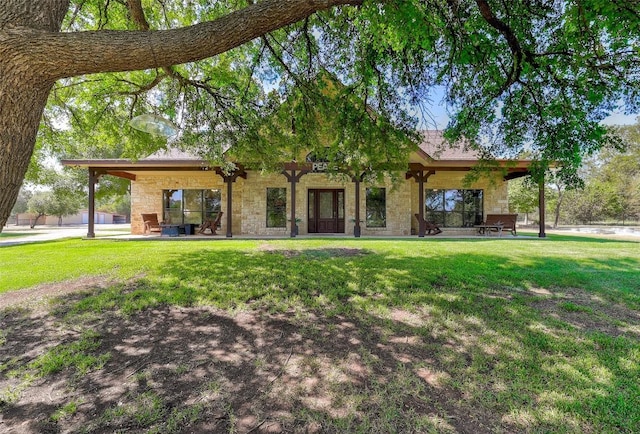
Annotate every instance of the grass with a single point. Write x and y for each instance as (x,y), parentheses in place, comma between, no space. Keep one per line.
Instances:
(15,234)
(77,354)
(543,333)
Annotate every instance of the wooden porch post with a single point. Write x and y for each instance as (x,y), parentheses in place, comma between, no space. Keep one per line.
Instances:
(93,179)
(421,226)
(356,227)
(541,206)
(293,178)
(418,173)
(229,179)
(229,182)
(293,181)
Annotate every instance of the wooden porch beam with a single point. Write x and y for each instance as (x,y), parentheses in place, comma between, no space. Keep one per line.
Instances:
(121,174)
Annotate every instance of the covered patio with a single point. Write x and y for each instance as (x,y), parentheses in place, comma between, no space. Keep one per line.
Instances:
(304,199)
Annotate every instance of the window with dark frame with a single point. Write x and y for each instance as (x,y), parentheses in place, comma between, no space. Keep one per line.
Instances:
(190,206)
(376,204)
(454,208)
(276,207)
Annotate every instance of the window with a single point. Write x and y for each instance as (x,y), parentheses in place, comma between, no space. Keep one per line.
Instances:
(454,208)
(276,207)
(190,206)
(376,208)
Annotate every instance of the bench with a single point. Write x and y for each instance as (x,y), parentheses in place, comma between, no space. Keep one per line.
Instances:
(507,221)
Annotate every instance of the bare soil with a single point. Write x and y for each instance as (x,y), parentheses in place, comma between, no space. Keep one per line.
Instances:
(243,372)
(204,370)
(589,312)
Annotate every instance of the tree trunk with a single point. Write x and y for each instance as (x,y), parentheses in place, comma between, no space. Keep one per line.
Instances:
(558,205)
(34,54)
(23,91)
(21,106)
(35,221)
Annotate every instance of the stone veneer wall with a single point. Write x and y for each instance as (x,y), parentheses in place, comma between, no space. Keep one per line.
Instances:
(254,219)
(254,203)
(398,209)
(146,193)
(249,199)
(495,198)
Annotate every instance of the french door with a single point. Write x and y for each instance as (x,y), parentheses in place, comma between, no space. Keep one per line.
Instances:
(326,211)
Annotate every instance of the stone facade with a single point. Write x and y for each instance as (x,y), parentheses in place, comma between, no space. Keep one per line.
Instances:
(146,191)
(249,216)
(495,198)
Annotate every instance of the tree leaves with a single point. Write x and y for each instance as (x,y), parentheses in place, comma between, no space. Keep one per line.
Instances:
(520,76)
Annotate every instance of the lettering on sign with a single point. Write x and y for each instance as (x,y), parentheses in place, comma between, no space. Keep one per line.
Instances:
(319,167)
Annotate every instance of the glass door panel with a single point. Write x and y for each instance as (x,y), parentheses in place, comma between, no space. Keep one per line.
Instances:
(326,211)
(326,206)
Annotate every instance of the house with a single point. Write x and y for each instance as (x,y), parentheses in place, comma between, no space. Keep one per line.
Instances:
(184,189)
(81,217)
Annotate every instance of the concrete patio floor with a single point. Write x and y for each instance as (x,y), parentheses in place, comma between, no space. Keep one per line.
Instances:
(24,234)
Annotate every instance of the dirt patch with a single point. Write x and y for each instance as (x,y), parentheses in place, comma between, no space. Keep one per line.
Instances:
(588,312)
(313,253)
(199,369)
(37,295)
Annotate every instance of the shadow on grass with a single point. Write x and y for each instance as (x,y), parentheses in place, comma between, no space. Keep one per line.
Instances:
(582,238)
(15,234)
(341,340)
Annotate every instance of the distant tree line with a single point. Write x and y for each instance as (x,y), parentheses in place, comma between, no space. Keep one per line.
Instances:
(610,192)
(63,194)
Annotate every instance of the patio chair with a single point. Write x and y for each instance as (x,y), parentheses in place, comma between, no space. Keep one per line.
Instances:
(212,225)
(151,223)
(428,226)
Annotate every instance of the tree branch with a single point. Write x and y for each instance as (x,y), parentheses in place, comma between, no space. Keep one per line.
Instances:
(137,14)
(512,40)
(79,53)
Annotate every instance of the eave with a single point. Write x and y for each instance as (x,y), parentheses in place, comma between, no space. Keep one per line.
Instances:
(128,168)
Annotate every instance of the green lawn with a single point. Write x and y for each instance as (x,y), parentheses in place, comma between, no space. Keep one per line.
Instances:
(506,335)
(14,234)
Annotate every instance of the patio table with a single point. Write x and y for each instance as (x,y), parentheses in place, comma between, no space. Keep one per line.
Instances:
(169,230)
(486,229)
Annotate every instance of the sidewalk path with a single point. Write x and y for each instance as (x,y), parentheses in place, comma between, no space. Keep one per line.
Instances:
(123,231)
(48,233)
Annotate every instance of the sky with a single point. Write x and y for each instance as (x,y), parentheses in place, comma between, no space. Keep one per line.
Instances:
(621,119)
(439,115)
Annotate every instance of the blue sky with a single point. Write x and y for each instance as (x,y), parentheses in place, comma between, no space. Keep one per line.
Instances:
(621,119)
(439,116)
